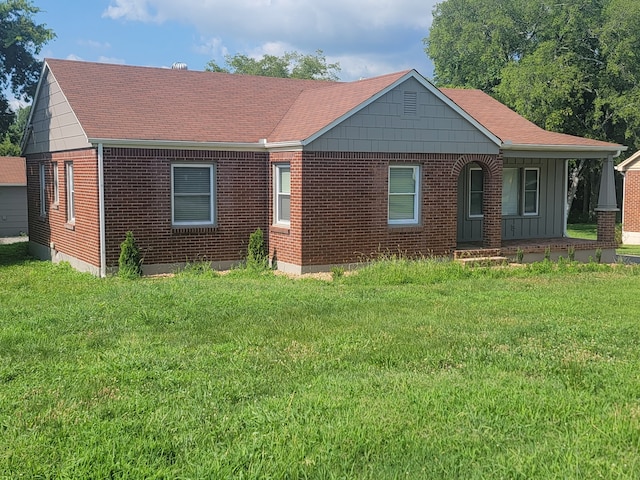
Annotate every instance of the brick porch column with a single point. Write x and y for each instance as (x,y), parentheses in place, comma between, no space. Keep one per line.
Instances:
(607,204)
(492,207)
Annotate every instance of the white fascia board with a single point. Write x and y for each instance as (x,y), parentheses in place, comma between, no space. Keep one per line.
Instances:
(13,184)
(173,144)
(629,162)
(580,151)
(425,83)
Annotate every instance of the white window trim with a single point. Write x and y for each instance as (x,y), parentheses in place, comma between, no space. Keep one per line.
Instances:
(278,194)
(56,186)
(471,215)
(212,193)
(524,192)
(43,190)
(416,197)
(70,192)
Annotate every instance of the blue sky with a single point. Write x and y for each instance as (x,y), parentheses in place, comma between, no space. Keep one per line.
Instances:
(367,37)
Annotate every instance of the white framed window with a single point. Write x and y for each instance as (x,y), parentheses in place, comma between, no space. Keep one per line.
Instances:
(282,200)
(192,194)
(404,188)
(42,175)
(56,187)
(531,191)
(510,191)
(476,192)
(70,189)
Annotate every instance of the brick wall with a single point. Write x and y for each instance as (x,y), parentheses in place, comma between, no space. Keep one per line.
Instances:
(344,206)
(80,240)
(631,203)
(138,198)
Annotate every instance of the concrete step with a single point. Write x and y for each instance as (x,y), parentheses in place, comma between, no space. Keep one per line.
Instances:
(483,261)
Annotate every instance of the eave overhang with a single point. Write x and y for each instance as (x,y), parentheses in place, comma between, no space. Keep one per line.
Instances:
(515,150)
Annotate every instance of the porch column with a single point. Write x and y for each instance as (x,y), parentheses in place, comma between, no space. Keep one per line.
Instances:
(607,204)
(492,209)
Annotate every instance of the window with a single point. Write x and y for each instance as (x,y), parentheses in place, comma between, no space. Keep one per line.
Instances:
(404,184)
(531,177)
(56,188)
(71,208)
(476,192)
(283,194)
(192,194)
(43,189)
(510,191)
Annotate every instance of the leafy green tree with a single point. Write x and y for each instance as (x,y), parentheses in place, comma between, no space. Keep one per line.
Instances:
(290,65)
(571,67)
(21,40)
(10,144)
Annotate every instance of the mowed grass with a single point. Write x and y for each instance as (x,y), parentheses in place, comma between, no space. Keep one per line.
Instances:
(589,231)
(404,370)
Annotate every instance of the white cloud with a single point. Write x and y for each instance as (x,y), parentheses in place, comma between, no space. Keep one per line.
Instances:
(74,57)
(95,44)
(117,61)
(363,35)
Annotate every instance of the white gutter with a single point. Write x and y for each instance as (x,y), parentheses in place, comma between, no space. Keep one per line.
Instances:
(187,145)
(565,214)
(563,148)
(103,241)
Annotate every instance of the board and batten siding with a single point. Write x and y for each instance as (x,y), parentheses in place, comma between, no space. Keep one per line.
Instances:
(549,223)
(408,119)
(55,127)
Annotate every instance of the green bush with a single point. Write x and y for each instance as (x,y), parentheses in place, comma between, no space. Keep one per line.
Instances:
(130,262)
(257,258)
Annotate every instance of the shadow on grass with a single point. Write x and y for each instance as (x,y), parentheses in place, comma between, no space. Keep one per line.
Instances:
(14,254)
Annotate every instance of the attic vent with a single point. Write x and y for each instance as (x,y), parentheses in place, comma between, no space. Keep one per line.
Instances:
(410,103)
(179,66)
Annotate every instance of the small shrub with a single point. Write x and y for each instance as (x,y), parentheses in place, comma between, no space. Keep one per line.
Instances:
(547,254)
(130,261)
(337,272)
(571,253)
(519,255)
(257,258)
(618,234)
(598,255)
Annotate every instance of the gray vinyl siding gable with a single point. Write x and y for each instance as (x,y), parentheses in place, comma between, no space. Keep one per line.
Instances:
(383,126)
(54,126)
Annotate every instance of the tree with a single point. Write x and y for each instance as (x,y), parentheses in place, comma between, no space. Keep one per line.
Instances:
(569,67)
(21,40)
(10,144)
(290,65)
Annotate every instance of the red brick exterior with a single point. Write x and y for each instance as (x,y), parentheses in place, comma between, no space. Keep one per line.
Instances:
(631,202)
(80,240)
(606,226)
(339,207)
(339,204)
(138,198)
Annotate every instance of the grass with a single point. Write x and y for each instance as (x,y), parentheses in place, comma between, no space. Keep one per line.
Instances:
(404,370)
(589,232)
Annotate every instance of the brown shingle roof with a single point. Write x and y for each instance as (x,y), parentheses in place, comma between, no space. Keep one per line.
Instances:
(13,171)
(510,126)
(140,103)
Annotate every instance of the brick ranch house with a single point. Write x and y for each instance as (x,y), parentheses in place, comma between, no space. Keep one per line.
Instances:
(333,172)
(630,168)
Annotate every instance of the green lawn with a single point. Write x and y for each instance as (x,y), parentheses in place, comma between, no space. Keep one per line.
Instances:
(404,370)
(589,231)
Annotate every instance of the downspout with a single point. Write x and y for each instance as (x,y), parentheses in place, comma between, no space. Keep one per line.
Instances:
(565,214)
(103,251)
